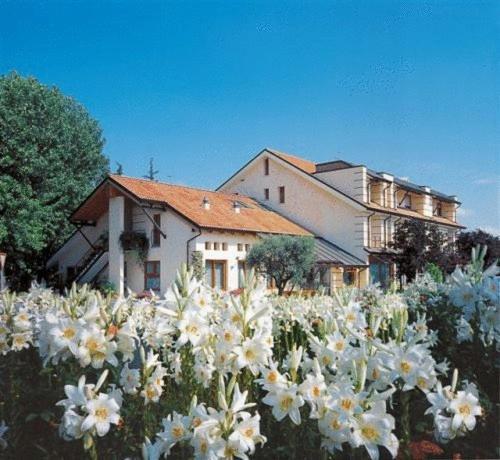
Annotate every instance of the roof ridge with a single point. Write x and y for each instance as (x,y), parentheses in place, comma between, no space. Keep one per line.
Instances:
(293,155)
(190,187)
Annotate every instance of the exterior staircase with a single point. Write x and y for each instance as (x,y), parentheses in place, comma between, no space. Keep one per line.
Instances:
(90,265)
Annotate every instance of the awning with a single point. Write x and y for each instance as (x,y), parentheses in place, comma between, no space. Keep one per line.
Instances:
(326,252)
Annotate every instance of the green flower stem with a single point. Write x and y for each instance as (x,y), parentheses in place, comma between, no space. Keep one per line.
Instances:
(405,425)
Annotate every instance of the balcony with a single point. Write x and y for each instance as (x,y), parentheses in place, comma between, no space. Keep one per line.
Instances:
(377,242)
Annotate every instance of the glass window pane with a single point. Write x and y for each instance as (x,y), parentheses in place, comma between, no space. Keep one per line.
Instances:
(241,274)
(348,277)
(219,275)
(208,273)
(153,282)
(374,273)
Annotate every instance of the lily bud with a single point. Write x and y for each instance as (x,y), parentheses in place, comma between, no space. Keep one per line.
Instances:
(361,371)
(454,380)
(101,380)
(144,449)
(221,394)
(230,387)
(88,441)
(316,367)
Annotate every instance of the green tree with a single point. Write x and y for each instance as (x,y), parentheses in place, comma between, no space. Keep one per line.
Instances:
(197,264)
(50,159)
(283,258)
(417,245)
(468,240)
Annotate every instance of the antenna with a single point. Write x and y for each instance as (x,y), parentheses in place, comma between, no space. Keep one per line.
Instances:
(151,175)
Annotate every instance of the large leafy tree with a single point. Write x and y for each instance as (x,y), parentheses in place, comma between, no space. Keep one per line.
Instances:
(283,258)
(50,159)
(418,244)
(468,240)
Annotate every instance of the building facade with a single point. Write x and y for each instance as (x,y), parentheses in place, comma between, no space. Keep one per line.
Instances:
(350,210)
(350,205)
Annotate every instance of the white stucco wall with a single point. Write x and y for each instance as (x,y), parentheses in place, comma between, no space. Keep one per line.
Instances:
(306,203)
(349,180)
(231,255)
(171,253)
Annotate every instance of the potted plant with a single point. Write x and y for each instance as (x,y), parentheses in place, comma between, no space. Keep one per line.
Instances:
(137,242)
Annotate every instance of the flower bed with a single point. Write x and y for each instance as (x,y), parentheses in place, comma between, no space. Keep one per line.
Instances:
(206,375)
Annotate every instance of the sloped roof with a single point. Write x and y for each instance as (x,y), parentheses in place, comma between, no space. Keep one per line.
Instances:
(188,202)
(327,252)
(403,212)
(301,163)
(312,168)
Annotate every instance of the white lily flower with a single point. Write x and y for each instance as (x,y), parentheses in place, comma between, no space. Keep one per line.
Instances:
(130,379)
(285,402)
(465,407)
(102,412)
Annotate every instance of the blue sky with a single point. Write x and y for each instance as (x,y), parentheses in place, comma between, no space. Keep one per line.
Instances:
(412,88)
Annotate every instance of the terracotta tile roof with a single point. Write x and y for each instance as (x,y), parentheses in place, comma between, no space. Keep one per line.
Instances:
(188,202)
(306,165)
(413,214)
(310,168)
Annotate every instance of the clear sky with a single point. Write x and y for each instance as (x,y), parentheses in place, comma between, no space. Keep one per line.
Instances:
(408,87)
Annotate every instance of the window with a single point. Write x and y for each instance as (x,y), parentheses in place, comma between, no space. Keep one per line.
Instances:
(266,166)
(242,270)
(215,273)
(70,273)
(266,193)
(152,276)
(282,194)
(406,202)
(439,209)
(380,273)
(247,247)
(156,236)
(224,246)
(349,277)
(216,246)
(240,247)
(208,245)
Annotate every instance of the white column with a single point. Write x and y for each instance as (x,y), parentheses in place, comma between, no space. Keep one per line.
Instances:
(116,218)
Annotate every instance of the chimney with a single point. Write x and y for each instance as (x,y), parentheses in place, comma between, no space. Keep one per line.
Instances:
(237,207)
(206,203)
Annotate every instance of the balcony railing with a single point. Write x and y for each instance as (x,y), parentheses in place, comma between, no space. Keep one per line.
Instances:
(377,242)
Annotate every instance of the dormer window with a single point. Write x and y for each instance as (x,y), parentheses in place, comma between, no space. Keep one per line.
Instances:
(406,202)
(438,210)
(266,166)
